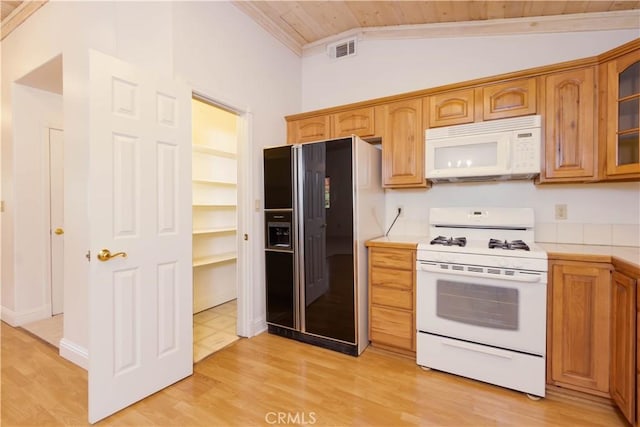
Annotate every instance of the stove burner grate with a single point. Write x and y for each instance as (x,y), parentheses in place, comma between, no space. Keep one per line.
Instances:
(451,241)
(504,244)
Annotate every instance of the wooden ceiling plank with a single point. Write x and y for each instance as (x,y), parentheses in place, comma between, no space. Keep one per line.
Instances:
(371,13)
(514,9)
(496,9)
(624,5)
(553,8)
(477,10)
(445,11)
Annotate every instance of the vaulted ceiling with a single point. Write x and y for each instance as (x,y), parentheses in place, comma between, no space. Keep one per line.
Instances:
(303,24)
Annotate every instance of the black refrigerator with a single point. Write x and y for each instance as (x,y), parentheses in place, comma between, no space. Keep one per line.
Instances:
(322,201)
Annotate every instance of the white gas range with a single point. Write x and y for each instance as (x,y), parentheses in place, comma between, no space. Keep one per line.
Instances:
(481,297)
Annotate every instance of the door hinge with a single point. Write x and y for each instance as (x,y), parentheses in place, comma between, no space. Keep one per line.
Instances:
(88,255)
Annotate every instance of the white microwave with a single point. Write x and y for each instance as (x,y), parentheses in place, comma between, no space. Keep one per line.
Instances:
(492,150)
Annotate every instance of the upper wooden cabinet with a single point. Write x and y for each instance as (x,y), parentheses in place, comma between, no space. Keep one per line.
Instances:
(353,122)
(620,80)
(509,99)
(578,327)
(359,122)
(451,108)
(623,337)
(309,129)
(400,126)
(569,128)
(495,101)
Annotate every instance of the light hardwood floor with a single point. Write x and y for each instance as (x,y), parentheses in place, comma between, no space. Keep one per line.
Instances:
(255,381)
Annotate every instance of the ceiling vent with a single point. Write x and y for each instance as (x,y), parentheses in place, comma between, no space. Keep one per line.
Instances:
(342,49)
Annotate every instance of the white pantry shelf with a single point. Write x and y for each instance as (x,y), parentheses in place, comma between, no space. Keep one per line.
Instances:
(213,151)
(215,230)
(214,206)
(214,182)
(214,259)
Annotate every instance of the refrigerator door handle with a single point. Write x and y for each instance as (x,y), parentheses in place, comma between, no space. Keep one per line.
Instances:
(298,219)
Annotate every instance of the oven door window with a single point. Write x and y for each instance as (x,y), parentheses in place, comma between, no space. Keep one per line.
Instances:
(480,305)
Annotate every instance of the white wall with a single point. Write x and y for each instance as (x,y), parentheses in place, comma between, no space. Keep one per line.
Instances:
(211,45)
(603,213)
(389,67)
(34,112)
(598,213)
(224,55)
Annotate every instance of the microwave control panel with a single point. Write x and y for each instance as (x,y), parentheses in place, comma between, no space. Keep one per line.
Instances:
(525,154)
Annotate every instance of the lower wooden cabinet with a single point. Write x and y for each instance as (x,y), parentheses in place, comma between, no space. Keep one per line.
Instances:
(623,338)
(392,299)
(579,326)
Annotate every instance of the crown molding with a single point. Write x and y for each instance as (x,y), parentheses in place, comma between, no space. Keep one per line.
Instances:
(19,15)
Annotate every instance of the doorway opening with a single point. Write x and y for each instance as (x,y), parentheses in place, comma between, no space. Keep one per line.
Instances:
(37,127)
(215,138)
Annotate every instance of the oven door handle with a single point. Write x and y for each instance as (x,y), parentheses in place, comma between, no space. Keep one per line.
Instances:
(529,278)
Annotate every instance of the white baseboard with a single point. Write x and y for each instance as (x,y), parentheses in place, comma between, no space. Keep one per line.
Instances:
(258,327)
(74,353)
(19,318)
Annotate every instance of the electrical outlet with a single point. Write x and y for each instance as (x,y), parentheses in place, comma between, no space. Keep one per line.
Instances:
(561,211)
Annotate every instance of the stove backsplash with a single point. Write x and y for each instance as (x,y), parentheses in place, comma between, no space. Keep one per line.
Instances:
(597,214)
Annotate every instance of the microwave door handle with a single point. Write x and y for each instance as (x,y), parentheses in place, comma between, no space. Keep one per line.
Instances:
(432,268)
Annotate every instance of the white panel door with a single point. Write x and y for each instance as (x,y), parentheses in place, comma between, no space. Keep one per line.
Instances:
(56,221)
(140,305)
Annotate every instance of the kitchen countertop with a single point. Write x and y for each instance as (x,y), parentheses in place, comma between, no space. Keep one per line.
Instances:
(627,258)
(399,242)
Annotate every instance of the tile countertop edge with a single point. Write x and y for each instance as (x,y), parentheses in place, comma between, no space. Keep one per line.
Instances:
(398,242)
(624,258)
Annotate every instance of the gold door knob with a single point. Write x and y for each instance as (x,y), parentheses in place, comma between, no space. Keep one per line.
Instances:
(58,231)
(106,255)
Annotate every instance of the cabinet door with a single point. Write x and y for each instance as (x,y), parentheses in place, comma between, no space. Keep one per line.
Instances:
(570,143)
(451,108)
(509,99)
(310,129)
(623,115)
(354,122)
(623,335)
(580,301)
(402,144)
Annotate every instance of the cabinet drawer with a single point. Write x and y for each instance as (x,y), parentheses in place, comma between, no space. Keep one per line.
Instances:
(401,259)
(390,297)
(392,327)
(392,278)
